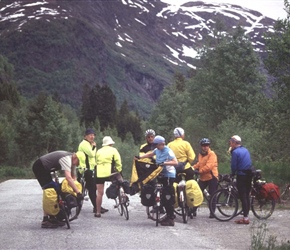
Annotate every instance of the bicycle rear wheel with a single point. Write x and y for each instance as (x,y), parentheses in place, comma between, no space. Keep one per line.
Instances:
(262,208)
(151,213)
(223,205)
(285,195)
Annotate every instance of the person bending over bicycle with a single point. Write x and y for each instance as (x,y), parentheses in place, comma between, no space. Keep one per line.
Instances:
(166,158)
(108,161)
(207,168)
(57,160)
(183,152)
(241,164)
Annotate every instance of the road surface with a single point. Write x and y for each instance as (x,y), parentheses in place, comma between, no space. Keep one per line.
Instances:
(21,215)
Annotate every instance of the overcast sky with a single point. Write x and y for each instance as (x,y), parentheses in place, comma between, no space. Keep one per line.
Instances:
(270,8)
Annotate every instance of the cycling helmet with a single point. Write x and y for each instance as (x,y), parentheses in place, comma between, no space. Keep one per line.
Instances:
(178,132)
(158,139)
(149,132)
(204,141)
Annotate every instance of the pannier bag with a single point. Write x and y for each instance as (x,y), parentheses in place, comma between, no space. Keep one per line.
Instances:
(49,201)
(126,186)
(112,191)
(194,195)
(70,200)
(168,196)
(66,188)
(147,195)
(270,191)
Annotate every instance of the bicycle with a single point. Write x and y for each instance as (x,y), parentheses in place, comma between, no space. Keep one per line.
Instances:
(63,208)
(224,203)
(285,194)
(122,200)
(181,194)
(155,212)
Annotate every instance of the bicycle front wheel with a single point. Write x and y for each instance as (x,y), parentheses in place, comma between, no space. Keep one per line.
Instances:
(223,205)
(126,212)
(119,206)
(63,214)
(262,208)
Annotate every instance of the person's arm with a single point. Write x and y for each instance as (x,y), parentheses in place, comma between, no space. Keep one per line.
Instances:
(172,162)
(88,148)
(147,155)
(70,181)
(190,154)
(118,162)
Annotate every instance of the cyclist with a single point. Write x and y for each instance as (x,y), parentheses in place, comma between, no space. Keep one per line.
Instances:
(183,152)
(165,156)
(88,146)
(207,167)
(108,160)
(57,160)
(241,164)
(149,146)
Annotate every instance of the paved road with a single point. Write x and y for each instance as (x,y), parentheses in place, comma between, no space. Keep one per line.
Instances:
(21,215)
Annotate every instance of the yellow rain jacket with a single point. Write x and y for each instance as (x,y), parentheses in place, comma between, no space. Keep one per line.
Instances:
(108,157)
(183,151)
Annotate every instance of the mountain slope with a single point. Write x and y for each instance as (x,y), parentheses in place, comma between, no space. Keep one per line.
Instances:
(133,46)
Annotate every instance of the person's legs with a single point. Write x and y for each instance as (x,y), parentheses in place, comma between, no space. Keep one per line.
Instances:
(99,199)
(168,204)
(244,188)
(43,177)
(91,187)
(212,187)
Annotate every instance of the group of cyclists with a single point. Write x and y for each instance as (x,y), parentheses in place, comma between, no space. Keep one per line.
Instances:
(179,157)
(97,167)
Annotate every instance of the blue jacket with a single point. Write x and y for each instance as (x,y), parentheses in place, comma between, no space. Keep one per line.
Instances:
(241,160)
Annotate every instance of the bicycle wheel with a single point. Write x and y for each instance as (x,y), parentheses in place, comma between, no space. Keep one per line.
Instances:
(119,206)
(74,212)
(285,195)
(151,213)
(223,205)
(157,215)
(262,208)
(125,204)
(63,214)
(184,207)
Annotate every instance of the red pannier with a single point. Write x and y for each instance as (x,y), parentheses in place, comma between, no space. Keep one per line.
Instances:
(270,191)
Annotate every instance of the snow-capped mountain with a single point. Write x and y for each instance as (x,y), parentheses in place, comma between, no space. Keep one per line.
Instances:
(148,39)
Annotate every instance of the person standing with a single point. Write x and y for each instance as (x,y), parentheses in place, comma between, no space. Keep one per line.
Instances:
(108,162)
(207,168)
(183,152)
(165,156)
(57,160)
(241,164)
(88,146)
(147,147)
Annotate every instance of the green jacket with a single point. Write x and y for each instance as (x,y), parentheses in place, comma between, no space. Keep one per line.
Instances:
(90,153)
(106,156)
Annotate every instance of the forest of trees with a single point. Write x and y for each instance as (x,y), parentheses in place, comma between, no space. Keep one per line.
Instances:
(232,91)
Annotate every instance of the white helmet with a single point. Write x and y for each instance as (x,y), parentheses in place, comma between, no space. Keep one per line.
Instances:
(178,132)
